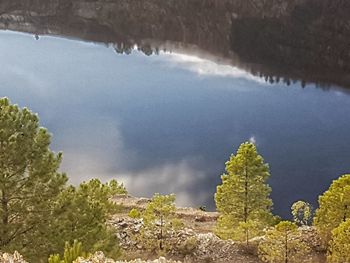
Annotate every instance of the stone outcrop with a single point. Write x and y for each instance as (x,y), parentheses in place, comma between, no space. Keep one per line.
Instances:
(11,258)
(204,247)
(207,247)
(99,257)
(310,236)
(128,202)
(302,39)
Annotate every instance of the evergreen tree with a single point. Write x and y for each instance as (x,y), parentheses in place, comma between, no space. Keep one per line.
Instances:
(29,181)
(82,214)
(302,212)
(71,253)
(134,213)
(243,198)
(159,221)
(339,246)
(334,207)
(38,212)
(282,244)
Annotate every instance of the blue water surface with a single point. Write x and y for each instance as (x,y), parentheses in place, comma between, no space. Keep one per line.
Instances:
(167,123)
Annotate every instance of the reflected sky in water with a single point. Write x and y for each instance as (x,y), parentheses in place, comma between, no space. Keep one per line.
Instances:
(168,123)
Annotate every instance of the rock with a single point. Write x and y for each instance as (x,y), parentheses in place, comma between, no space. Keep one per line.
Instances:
(99,257)
(11,258)
(310,236)
(139,246)
(200,219)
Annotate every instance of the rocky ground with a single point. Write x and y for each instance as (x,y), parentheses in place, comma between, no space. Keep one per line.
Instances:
(199,225)
(196,242)
(98,257)
(196,219)
(11,258)
(207,247)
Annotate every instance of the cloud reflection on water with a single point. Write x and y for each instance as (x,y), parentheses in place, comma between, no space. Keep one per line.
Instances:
(168,123)
(205,67)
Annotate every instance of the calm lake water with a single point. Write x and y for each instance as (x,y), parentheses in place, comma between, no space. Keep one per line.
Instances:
(168,122)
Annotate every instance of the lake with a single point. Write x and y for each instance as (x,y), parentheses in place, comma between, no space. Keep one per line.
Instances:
(168,122)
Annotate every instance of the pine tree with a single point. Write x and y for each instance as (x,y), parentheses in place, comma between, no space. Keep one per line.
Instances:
(302,212)
(38,212)
(134,213)
(81,213)
(29,181)
(339,246)
(243,198)
(159,221)
(71,253)
(334,207)
(282,244)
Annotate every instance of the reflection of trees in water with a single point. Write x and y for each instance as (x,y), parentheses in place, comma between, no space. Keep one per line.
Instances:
(127,48)
(274,78)
(308,41)
(258,70)
(312,43)
(123,48)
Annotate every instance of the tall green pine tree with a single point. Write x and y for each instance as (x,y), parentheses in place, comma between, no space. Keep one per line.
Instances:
(243,198)
(38,212)
(334,207)
(29,180)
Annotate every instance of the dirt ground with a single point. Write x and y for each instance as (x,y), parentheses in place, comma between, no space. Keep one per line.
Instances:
(202,223)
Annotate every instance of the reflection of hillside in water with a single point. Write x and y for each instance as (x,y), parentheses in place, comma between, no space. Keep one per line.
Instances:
(278,40)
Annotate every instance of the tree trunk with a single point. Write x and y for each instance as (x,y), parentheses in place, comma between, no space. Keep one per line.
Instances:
(246,200)
(161,233)
(5,217)
(345,213)
(286,248)
(247,237)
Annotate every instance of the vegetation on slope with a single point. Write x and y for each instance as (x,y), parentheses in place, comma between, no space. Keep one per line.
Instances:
(41,215)
(39,211)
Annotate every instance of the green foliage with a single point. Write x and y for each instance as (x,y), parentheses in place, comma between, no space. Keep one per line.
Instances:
(29,181)
(71,253)
(38,212)
(339,246)
(134,213)
(177,224)
(55,259)
(158,220)
(188,246)
(282,244)
(243,198)
(302,212)
(247,230)
(81,214)
(334,207)
(116,188)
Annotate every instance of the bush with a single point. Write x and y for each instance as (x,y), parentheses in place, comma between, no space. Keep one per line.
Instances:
(71,253)
(134,213)
(282,244)
(339,246)
(188,246)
